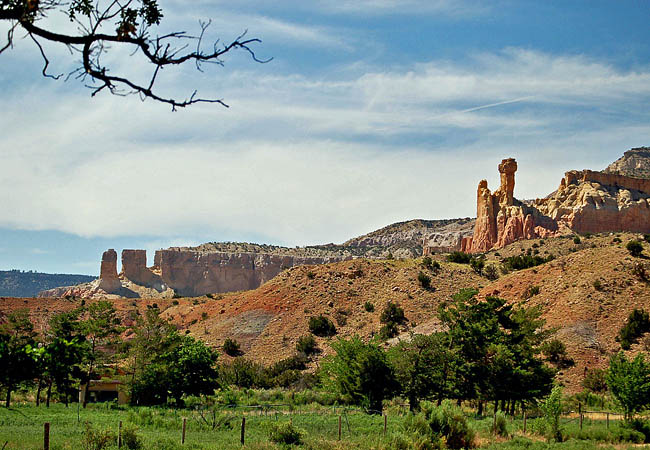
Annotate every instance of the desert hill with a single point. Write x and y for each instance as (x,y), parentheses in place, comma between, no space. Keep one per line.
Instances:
(587,292)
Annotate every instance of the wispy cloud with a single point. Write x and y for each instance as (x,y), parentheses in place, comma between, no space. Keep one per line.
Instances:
(312,158)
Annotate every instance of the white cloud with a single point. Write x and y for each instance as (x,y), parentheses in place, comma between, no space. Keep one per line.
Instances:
(305,159)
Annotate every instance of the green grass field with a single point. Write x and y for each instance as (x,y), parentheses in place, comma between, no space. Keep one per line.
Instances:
(21,427)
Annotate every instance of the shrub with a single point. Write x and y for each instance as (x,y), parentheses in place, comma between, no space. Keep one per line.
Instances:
(531,291)
(477,264)
(93,439)
(458,257)
(388,331)
(595,380)
(307,345)
(646,237)
(616,240)
(285,434)
(392,313)
(491,272)
(598,285)
(641,426)
(426,262)
(311,275)
(520,262)
(368,306)
(321,326)
(204,315)
(555,352)
(130,438)
(425,280)
(638,323)
(448,421)
(175,302)
(231,347)
(501,425)
(576,240)
(639,271)
(635,248)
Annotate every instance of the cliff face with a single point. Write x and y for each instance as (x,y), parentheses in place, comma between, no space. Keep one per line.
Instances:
(633,163)
(586,201)
(184,272)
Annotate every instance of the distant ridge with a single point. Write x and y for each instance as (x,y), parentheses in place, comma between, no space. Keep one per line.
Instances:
(19,283)
(634,163)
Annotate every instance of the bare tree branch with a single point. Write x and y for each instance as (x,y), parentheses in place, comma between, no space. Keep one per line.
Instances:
(91,42)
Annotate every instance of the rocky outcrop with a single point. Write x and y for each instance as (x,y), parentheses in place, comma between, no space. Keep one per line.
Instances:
(184,272)
(634,163)
(448,238)
(594,202)
(586,201)
(108,280)
(192,273)
(134,267)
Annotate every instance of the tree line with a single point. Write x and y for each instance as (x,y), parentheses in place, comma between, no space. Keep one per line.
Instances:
(486,352)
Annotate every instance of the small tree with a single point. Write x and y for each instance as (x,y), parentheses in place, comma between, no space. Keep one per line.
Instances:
(17,353)
(595,380)
(360,372)
(635,248)
(552,408)
(629,383)
(391,317)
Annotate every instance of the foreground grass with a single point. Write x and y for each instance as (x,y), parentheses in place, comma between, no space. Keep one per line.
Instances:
(21,427)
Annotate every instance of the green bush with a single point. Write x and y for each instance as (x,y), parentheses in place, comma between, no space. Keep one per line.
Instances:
(635,248)
(520,262)
(477,264)
(392,313)
(231,347)
(307,345)
(93,439)
(459,257)
(388,331)
(130,438)
(426,262)
(576,240)
(285,434)
(425,280)
(311,275)
(501,425)
(368,306)
(491,272)
(595,380)
(638,323)
(446,421)
(640,426)
(321,326)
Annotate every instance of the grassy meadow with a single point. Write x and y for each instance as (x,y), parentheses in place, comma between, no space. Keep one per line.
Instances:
(21,427)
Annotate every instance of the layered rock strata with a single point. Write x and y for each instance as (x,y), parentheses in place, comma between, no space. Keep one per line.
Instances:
(184,272)
(108,279)
(586,201)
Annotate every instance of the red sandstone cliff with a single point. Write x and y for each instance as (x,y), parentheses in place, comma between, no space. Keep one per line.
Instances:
(586,201)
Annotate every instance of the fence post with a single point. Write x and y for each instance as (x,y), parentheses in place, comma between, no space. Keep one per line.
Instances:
(524,421)
(184,427)
(608,419)
(119,435)
(580,413)
(339,427)
(494,421)
(46,436)
(385,424)
(243,429)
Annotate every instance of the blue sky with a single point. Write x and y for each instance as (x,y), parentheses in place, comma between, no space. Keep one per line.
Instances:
(371,112)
